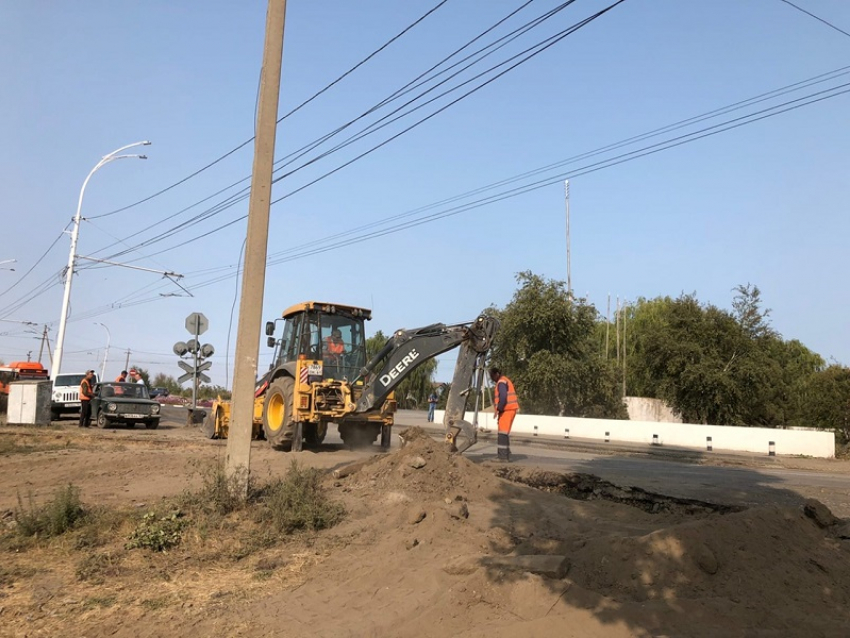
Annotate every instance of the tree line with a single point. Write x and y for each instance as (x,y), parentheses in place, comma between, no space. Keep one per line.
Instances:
(711,365)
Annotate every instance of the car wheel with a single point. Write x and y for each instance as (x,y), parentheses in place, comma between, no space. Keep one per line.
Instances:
(153,424)
(102,421)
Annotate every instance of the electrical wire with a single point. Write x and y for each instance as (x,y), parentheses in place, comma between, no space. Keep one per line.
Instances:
(809,13)
(524,56)
(38,261)
(244,193)
(232,309)
(292,112)
(591,168)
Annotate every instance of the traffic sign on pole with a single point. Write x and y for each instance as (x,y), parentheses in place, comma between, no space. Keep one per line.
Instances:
(186,366)
(203,377)
(206,365)
(183,378)
(197,323)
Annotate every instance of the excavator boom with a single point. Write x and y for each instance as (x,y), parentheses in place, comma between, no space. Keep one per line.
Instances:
(407,349)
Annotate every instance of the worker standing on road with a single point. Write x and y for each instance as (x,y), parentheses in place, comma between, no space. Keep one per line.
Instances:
(86,394)
(432,405)
(505,409)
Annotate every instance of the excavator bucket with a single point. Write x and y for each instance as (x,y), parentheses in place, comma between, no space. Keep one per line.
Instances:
(461,436)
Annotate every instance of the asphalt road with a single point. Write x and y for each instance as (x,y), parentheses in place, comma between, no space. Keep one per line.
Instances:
(681,476)
(728,485)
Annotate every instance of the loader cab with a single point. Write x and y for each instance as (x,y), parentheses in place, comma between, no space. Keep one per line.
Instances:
(330,335)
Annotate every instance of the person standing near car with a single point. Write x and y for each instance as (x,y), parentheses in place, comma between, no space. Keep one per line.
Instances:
(136,377)
(86,394)
(121,378)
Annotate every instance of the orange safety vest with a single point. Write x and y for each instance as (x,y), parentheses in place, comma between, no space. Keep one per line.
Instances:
(335,347)
(85,390)
(512,404)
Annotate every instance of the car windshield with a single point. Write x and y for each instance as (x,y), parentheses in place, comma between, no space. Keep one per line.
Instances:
(125,390)
(69,379)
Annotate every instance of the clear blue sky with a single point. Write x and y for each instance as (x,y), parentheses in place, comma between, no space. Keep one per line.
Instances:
(765,203)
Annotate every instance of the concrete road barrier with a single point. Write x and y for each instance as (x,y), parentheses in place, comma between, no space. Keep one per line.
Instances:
(767,441)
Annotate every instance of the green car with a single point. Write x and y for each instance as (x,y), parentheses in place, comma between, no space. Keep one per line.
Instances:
(125,403)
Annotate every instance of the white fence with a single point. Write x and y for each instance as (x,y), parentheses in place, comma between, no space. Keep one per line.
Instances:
(765,441)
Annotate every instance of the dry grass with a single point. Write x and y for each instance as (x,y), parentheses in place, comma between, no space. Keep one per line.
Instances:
(63,561)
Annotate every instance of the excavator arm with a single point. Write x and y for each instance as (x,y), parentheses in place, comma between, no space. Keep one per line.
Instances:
(407,349)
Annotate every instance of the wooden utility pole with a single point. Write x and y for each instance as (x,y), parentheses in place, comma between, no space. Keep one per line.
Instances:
(607,325)
(44,338)
(238,459)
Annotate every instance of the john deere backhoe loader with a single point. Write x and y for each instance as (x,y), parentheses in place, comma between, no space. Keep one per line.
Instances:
(320,376)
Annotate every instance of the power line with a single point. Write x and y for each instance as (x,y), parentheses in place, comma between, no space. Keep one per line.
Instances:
(244,192)
(819,19)
(591,168)
(292,112)
(38,261)
(524,56)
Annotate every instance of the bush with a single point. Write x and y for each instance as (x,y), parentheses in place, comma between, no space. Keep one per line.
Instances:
(158,533)
(219,494)
(298,501)
(54,517)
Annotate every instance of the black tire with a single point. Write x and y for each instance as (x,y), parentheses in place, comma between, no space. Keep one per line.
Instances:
(357,435)
(314,434)
(102,421)
(55,415)
(278,411)
(386,437)
(152,424)
(208,426)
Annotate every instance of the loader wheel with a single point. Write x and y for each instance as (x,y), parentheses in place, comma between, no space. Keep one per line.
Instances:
(277,412)
(314,434)
(357,436)
(208,427)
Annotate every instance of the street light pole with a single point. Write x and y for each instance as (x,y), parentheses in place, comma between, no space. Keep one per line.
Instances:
(72,256)
(105,354)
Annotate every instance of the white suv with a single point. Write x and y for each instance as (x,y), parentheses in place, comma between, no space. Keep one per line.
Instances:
(66,393)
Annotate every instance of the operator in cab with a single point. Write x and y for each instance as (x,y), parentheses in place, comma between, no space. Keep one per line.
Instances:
(334,346)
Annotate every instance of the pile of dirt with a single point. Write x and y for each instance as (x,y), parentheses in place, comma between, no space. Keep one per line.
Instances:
(634,563)
(425,468)
(436,545)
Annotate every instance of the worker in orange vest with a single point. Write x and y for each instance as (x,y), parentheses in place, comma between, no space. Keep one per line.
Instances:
(505,408)
(86,394)
(334,346)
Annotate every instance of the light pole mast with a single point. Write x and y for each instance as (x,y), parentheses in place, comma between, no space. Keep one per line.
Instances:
(106,353)
(569,267)
(72,255)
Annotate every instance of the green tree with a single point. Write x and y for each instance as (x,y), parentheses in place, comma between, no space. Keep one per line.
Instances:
(548,346)
(166,381)
(714,366)
(824,402)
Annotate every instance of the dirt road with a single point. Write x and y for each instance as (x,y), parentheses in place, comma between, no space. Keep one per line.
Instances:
(431,545)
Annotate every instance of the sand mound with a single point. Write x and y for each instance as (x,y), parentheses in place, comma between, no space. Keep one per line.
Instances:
(424,468)
(455,537)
